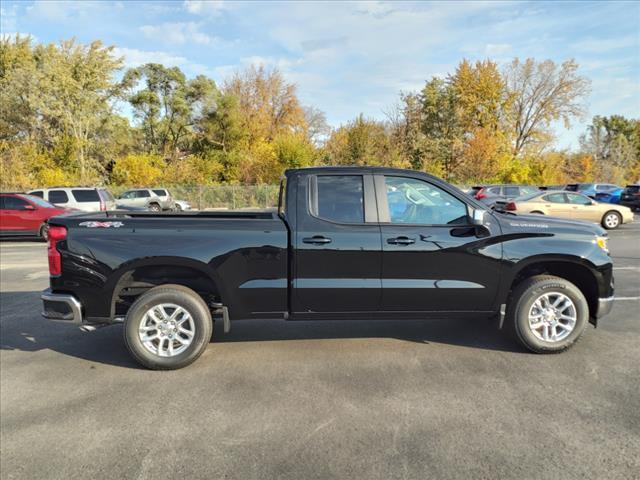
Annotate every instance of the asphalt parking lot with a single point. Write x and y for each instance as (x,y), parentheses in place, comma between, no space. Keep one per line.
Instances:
(305,400)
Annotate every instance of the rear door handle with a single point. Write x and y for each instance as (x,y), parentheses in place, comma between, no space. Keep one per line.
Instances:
(317,240)
(401,241)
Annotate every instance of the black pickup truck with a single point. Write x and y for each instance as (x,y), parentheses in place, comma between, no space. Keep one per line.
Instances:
(344,243)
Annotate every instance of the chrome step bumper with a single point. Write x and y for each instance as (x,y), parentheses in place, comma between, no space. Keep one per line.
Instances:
(61,307)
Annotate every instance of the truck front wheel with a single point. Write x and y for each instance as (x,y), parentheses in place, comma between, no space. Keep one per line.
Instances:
(168,327)
(548,314)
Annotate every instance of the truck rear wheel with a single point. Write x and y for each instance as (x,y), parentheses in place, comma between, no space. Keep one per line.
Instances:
(548,314)
(168,327)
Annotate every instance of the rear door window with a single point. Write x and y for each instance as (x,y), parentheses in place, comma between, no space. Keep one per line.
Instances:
(340,198)
(84,196)
(511,192)
(58,196)
(555,198)
(160,193)
(142,194)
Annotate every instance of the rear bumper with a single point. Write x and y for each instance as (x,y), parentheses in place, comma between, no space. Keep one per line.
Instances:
(604,306)
(61,307)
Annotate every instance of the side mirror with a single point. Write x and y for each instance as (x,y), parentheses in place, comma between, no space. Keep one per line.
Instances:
(477,216)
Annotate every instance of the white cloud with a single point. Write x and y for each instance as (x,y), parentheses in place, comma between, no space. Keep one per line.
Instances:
(134,57)
(602,45)
(204,7)
(64,10)
(178,33)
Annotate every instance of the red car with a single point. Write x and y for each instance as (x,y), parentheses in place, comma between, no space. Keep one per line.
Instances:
(22,215)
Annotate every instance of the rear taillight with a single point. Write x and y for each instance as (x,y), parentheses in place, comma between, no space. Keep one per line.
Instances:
(103,206)
(511,207)
(55,235)
(482,193)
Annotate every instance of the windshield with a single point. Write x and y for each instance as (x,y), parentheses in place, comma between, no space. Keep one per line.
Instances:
(38,201)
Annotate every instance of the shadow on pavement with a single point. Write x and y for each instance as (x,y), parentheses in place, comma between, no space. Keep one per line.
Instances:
(22,328)
(478,333)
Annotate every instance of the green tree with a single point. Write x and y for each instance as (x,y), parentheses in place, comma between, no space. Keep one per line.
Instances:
(614,143)
(58,94)
(168,106)
(364,142)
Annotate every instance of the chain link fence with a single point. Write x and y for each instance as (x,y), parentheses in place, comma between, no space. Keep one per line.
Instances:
(221,196)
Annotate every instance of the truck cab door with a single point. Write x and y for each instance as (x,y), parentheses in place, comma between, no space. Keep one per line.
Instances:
(433,258)
(337,245)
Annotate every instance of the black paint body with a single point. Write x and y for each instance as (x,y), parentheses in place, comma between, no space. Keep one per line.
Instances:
(262,264)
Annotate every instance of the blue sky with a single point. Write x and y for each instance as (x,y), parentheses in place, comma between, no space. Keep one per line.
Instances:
(348,58)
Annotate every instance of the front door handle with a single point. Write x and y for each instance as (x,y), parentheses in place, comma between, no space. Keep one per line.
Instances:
(317,240)
(401,241)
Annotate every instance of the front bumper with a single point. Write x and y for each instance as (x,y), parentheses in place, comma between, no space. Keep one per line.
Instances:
(61,307)
(604,306)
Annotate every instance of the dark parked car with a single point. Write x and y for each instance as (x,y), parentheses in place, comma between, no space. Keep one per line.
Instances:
(552,187)
(345,243)
(26,215)
(490,194)
(631,197)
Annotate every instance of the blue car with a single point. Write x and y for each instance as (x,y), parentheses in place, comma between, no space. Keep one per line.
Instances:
(610,197)
(592,190)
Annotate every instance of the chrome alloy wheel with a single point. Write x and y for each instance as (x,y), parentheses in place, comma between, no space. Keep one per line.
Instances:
(552,317)
(611,220)
(166,330)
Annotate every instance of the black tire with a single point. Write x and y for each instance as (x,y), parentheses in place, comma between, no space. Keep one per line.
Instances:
(178,295)
(611,220)
(521,301)
(154,207)
(178,208)
(43,233)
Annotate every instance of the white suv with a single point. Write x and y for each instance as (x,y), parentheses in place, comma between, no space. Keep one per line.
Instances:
(80,198)
(146,198)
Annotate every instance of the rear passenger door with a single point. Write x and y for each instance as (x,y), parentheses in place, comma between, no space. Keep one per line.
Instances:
(337,245)
(557,205)
(142,198)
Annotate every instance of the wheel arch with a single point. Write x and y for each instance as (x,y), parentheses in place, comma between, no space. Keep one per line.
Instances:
(582,273)
(134,278)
